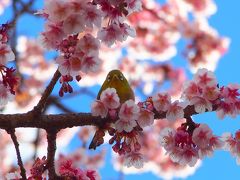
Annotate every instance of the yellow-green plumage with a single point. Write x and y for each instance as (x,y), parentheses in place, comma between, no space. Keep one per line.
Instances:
(115,79)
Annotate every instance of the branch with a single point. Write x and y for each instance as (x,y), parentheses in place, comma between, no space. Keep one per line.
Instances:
(51,138)
(16,144)
(40,106)
(61,121)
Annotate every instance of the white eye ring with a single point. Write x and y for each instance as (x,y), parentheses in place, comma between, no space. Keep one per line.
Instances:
(108,78)
(121,77)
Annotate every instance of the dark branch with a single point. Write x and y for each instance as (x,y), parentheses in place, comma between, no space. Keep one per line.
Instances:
(16,144)
(61,121)
(41,104)
(51,138)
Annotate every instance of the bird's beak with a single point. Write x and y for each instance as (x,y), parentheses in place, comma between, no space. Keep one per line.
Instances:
(115,77)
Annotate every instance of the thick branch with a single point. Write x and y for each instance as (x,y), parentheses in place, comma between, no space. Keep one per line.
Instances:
(51,138)
(61,121)
(15,142)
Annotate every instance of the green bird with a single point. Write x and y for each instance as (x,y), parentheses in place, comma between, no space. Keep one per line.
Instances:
(115,79)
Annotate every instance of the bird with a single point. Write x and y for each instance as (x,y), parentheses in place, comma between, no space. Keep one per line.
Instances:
(115,79)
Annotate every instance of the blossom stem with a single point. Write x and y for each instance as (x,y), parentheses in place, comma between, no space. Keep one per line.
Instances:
(16,144)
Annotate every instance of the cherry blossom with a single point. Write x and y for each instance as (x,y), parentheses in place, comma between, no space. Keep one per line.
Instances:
(99,109)
(145,118)
(74,23)
(125,125)
(92,16)
(204,77)
(230,101)
(186,147)
(161,102)
(201,135)
(175,110)
(110,34)
(38,168)
(5,95)
(129,110)
(88,43)
(232,144)
(110,98)
(201,104)
(134,159)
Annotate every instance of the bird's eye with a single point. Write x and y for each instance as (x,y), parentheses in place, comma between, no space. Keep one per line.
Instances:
(108,78)
(121,77)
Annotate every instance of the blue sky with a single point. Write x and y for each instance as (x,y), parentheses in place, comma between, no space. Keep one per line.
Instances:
(222,165)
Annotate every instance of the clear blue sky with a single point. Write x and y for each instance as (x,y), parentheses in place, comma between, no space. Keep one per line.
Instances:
(222,165)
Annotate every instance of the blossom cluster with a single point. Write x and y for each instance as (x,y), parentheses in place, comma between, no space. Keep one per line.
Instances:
(160,26)
(232,144)
(185,145)
(202,92)
(158,162)
(66,169)
(189,143)
(75,29)
(7,79)
(128,120)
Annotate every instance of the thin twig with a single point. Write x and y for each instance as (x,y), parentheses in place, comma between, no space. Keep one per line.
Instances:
(38,109)
(16,144)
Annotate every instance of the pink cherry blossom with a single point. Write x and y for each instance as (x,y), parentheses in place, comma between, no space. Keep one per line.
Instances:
(73,24)
(5,95)
(201,104)
(134,159)
(201,135)
(92,15)
(110,34)
(230,93)
(125,125)
(110,98)
(175,110)
(88,43)
(90,63)
(204,77)
(188,155)
(161,102)
(126,31)
(52,35)
(69,66)
(226,109)
(190,90)
(211,93)
(167,138)
(145,118)
(129,110)
(57,10)
(232,144)
(99,109)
